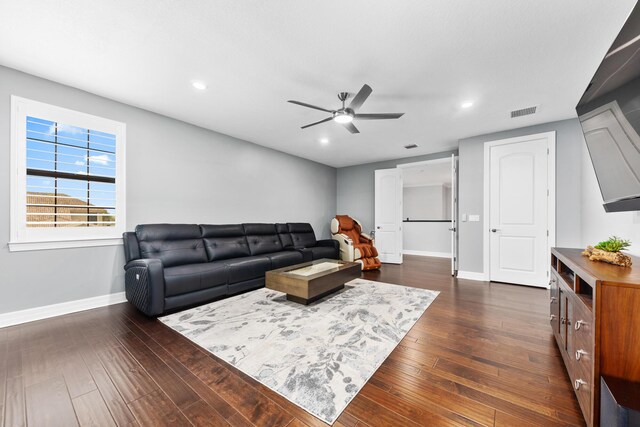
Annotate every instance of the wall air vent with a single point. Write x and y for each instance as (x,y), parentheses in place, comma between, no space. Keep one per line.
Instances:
(523,112)
(410,146)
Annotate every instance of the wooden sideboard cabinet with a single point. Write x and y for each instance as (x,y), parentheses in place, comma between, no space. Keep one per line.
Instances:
(595,317)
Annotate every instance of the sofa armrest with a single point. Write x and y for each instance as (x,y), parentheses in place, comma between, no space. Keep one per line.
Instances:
(329,243)
(144,285)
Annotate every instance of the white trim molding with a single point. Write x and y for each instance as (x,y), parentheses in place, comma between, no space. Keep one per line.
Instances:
(62,244)
(23,237)
(427,253)
(472,275)
(48,311)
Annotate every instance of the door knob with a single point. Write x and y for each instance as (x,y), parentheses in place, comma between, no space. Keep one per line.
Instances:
(452,229)
(493,230)
(378,227)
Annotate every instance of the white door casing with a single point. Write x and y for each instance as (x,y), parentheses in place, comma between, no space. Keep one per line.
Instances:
(388,215)
(454,215)
(520,219)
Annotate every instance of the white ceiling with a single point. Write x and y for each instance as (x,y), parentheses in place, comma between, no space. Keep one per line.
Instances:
(425,175)
(423,58)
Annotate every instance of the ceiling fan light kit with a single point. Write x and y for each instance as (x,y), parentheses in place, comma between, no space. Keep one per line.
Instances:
(346,115)
(342,117)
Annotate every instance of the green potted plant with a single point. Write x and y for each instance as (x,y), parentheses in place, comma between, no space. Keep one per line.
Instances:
(609,251)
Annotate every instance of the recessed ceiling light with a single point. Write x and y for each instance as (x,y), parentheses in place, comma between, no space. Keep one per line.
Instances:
(324,141)
(199,85)
(467,104)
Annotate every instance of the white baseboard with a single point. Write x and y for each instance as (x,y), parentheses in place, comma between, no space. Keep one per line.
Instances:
(47,311)
(427,253)
(472,275)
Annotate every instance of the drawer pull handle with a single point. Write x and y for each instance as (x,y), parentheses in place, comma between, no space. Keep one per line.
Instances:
(580,353)
(553,299)
(552,317)
(562,320)
(578,324)
(579,383)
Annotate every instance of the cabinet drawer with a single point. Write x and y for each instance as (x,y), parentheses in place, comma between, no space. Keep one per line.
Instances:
(582,382)
(582,322)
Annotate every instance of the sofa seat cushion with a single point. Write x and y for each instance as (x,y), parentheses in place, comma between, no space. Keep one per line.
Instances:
(247,268)
(284,259)
(318,252)
(194,277)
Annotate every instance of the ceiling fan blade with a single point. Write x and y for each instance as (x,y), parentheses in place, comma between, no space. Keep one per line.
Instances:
(310,106)
(360,97)
(316,123)
(351,128)
(379,116)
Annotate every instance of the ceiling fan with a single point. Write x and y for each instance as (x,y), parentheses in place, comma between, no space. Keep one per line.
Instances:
(346,115)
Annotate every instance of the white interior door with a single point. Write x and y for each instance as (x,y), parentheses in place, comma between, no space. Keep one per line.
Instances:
(454,215)
(518,215)
(388,214)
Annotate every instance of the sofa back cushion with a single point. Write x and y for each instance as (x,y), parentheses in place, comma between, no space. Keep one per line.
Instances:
(173,244)
(302,234)
(285,236)
(225,241)
(262,238)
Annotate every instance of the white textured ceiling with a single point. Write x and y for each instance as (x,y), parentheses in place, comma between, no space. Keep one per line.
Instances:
(420,57)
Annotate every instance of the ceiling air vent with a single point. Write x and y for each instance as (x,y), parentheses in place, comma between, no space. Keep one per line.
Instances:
(523,112)
(410,146)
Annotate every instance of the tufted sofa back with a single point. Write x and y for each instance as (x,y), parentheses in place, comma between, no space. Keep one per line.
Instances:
(173,244)
(262,238)
(180,244)
(225,241)
(302,234)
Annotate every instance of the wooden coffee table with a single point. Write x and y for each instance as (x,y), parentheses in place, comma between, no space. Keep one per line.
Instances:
(307,282)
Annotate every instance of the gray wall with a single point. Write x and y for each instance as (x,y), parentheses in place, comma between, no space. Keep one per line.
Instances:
(355,186)
(176,172)
(569,142)
(433,237)
(597,224)
(425,202)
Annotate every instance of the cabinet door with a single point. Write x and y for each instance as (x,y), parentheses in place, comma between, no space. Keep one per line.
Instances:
(568,324)
(562,300)
(554,304)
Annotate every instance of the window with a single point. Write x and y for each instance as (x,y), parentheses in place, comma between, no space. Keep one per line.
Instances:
(67,178)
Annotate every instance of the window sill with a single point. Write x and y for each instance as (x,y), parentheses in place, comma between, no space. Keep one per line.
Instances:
(63,244)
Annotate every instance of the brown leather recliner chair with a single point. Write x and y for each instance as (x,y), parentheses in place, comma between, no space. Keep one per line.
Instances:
(355,246)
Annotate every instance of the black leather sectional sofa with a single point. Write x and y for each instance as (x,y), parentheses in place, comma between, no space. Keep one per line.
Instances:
(172,266)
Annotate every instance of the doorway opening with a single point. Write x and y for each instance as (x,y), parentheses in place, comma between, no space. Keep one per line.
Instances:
(425,215)
(426,212)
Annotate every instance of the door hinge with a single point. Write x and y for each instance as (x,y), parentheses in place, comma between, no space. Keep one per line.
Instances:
(547,192)
(547,233)
(547,151)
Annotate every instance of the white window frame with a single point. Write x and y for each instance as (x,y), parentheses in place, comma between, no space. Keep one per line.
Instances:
(35,238)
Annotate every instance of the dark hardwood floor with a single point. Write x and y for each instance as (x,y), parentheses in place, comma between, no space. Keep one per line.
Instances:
(482,354)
